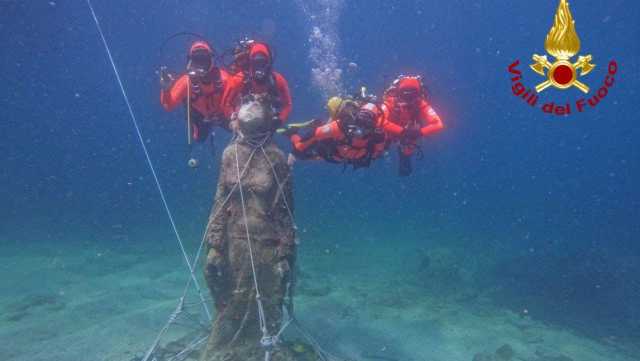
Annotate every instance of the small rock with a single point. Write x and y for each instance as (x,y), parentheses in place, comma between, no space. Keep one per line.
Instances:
(425,263)
(505,353)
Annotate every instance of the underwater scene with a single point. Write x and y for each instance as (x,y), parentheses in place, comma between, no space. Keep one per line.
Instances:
(362,180)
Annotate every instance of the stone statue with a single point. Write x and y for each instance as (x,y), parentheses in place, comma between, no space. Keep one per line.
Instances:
(251,223)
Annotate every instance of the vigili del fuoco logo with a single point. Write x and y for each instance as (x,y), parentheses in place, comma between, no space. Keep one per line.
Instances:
(561,72)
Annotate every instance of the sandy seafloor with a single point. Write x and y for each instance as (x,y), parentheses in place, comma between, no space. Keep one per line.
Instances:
(64,299)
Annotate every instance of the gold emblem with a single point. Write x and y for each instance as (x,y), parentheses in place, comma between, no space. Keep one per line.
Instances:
(563,43)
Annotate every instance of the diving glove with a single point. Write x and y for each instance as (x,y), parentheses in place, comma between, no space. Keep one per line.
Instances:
(166,78)
(411,134)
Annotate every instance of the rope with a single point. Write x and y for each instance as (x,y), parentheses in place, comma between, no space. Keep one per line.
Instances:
(262,320)
(165,328)
(197,257)
(204,237)
(287,317)
(182,355)
(267,340)
(280,188)
(148,158)
(188,110)
(321,352)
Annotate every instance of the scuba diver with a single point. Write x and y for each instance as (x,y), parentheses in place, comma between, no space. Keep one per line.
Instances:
(201,88)
(254,77)
(408,117)
(353,135)
(241,52)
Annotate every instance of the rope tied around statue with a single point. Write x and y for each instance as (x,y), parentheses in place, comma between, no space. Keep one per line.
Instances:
(257,144)
(181,308)
(268,341)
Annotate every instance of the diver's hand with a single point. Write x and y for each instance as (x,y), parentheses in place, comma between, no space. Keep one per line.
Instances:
(297,154)
(166,78)
(291,160)
(378,136)
(275,122)
(411,134)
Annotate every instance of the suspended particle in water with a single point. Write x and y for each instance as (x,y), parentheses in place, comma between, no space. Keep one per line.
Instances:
(52,3)
(353,66)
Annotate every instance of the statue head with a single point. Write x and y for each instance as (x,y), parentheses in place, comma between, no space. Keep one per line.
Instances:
(255,120)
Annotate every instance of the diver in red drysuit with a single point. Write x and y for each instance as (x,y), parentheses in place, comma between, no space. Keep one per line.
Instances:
(259,80)
(204,83)
(408,117)
(354,137)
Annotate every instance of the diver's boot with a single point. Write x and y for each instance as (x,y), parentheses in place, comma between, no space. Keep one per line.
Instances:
(404,166)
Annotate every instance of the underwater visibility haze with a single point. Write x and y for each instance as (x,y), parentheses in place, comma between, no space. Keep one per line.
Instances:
(515,237)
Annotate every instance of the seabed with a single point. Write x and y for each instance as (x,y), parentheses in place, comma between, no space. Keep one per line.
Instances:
(79,300)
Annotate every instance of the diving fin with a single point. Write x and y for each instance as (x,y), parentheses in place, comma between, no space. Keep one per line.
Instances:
(293,128)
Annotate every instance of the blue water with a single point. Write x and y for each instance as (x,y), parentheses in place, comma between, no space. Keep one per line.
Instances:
(555,199)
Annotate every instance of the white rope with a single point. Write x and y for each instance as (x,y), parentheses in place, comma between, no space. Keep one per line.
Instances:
(267,341)
(262,320)
(286,316)
(288,319)
(197,258)
(188,349)
(280,189)
(148,158)
(171,320)
(321,352)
